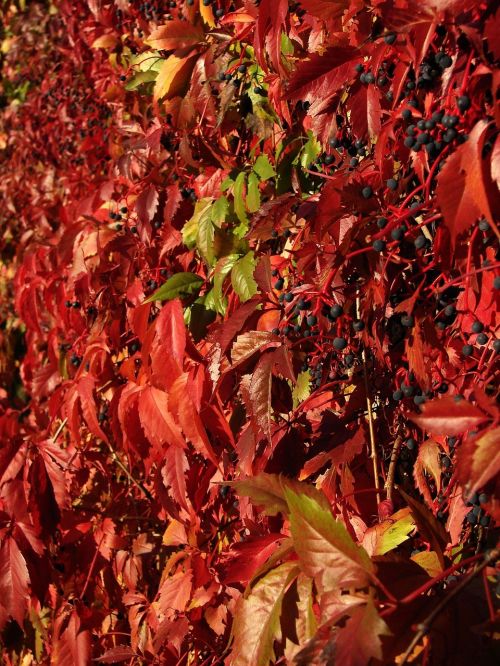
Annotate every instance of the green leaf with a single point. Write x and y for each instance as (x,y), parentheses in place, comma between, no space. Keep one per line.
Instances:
(242,277)
(257,617)
(302,388)
(239,197)
(180,284)
(190,229)
(253,193)
(226,183)
(219,211)
(326,550)
(140,78)
(222,270)
(263,168)
(310,152)
(205,236)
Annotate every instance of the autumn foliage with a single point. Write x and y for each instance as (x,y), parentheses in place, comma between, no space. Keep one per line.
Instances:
(249,343)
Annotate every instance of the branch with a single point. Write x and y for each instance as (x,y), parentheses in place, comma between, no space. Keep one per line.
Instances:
(423,627)
(373,447)
(141,487)
(389,484)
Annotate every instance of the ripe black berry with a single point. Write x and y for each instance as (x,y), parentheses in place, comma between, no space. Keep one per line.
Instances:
(369,78)
(242,69)
(467,350)
(409,141)
(463,103)
(348,360)
(279,284)
(397,395)
(359,68)
(336,310)
(276,331)
(366,192)
(289,297)
(477,327)
(471,518)
(340,343)
(390,38)
(68,304)
(379,245)
(406,114)
(398,233)
(358,325)
(410,443)
(484,225)
(124,210)
(392,184)
(312,320)
(419,399)
(381,222)
(420,241)
(496,345)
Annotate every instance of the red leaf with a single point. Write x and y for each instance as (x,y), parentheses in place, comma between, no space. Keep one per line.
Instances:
(462,184)
(147,204)
(85,388)
(116,654)
(359,642)
(14,580)
(173,474)
(325,9)
(157,421)
(365,111)
(479,459)
(321,77)
(447,416)
(260,395)
(270,24)
(181,403)
(171,329)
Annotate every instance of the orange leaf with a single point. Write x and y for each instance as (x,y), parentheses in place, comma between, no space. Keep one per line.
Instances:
(175,35)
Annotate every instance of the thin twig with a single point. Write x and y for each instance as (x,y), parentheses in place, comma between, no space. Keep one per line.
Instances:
(59,429)
(423,627)
(116,457)
(373,447)
(389,484)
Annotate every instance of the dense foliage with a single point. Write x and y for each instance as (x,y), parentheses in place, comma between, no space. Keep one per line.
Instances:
(249,270)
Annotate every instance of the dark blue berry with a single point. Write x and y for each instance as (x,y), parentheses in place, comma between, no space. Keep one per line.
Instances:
(340,343)
(379,245)
(467,350)
(392,184)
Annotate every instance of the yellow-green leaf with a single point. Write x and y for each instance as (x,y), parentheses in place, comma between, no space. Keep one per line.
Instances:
(253,193)
(257,618)
(242,277)
(386,536)
(239,197)
(302,388)
(326,550)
